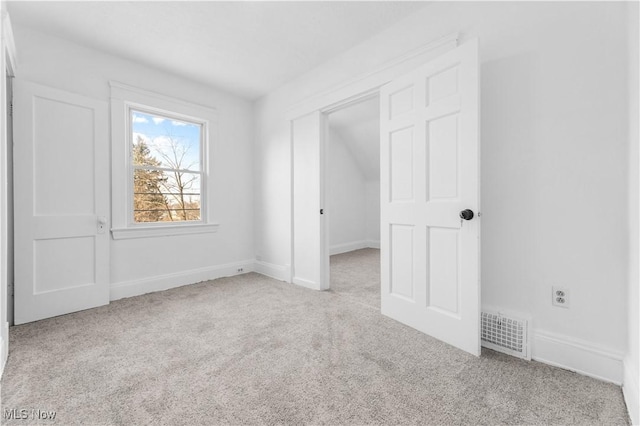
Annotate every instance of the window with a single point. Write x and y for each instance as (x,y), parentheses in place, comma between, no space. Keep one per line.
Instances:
(166,167)
(161,173)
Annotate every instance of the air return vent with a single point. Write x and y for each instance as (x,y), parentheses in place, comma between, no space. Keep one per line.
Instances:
(506,333)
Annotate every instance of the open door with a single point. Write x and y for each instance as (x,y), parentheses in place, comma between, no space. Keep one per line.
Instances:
(429,178)
(61,187)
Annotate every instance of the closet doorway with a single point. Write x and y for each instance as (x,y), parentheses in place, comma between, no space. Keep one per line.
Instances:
(352,200)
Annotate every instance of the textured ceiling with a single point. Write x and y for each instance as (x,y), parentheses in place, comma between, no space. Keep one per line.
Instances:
(359,128)
(247,48)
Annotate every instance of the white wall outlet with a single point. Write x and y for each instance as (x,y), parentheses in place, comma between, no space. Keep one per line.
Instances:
(560,297)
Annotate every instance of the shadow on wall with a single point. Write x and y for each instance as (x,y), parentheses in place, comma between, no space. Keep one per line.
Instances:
(509,181)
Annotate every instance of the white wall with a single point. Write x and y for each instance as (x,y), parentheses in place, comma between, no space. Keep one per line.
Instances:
(554,163)
(372,201)
(353,200)
(632,358)
(146,264)
(355,142)
(346,196)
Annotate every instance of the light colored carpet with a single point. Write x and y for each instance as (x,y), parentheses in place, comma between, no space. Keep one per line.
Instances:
(252,350)
(357,274)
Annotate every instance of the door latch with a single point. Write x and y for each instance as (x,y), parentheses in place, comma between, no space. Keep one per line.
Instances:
(102,224)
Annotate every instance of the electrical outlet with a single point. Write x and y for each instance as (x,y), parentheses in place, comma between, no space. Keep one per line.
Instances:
(560,297)
(240,269)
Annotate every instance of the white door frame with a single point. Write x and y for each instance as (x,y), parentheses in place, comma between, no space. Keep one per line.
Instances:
(8,65)
(324,175)
(341,96)
(308,229)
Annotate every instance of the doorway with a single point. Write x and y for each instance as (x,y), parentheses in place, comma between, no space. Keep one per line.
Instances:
(352,199)
(429,175)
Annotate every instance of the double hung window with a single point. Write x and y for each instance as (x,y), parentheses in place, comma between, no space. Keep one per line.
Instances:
(161,168)
(166,167)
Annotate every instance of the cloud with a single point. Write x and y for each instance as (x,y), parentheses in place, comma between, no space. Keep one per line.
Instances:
(178,123)
(158,120)
(162,143)
(144,137)
(161,147)
(139,119)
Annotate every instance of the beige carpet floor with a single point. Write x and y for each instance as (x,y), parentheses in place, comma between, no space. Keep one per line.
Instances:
(252,350)
(357,274)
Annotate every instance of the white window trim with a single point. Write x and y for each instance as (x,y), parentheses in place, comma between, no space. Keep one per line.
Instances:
(124,98)
(203,172)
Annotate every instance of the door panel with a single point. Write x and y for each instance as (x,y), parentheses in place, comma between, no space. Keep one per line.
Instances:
(61,157)
(62,130)
(53,260)
(401,153)
(402,258)
(443,280)
(429,173)
(442,151)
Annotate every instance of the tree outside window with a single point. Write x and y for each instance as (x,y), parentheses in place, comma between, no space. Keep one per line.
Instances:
(167,168)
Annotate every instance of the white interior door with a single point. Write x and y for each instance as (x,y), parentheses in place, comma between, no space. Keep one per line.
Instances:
(430,173)
(310,251)
(61,158)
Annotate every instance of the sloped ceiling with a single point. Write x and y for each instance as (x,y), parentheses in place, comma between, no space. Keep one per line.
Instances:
(247,48)
(359,128)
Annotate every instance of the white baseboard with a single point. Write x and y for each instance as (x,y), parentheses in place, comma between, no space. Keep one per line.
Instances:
(577,355)
(165,282)
(355,245)
(550,348)
(3,355)
(4,346)
(306,283)
(631,391)
(373,244)
(278,272)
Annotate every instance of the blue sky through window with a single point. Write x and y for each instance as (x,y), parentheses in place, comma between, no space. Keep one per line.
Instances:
(174,142)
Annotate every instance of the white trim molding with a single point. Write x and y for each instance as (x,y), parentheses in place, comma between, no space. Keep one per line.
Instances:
(631,390)
(345,92)
(577,355)
(126,92)
(168,281)
(4,346)
(122,99)
(367,83)
(306,283)
(355,245)
(8,64)
(162,231)
(8,40)
(271,270)
(373,244)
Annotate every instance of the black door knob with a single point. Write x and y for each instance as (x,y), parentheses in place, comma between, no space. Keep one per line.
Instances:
(466,214)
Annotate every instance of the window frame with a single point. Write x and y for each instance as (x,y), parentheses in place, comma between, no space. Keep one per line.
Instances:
(204,138)
(124,100)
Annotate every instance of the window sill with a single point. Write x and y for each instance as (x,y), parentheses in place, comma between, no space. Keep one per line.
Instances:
(162,231)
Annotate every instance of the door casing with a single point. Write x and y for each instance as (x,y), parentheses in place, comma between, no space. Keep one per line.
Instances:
(343,95)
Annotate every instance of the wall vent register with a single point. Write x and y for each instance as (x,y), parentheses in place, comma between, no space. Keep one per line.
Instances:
(506,334)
